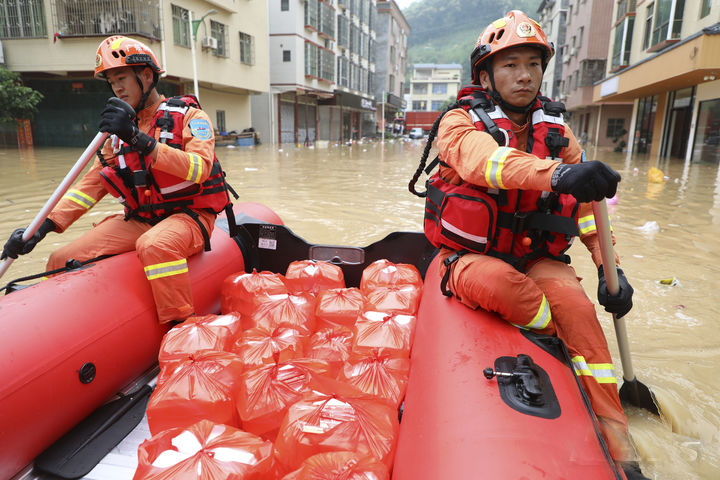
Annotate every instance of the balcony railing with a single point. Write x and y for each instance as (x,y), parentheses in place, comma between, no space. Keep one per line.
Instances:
(85,18)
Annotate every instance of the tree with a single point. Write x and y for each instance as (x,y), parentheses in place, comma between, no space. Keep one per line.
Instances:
(447,103)
(17,102)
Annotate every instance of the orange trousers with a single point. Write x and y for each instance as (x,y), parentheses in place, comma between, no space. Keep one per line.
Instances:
(549,299)
(163,250)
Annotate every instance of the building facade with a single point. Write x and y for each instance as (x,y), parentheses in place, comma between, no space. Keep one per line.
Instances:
(391,65)
(432,85)
(584,58)
(322,72)
(552,16)
(52,43)
(665,59)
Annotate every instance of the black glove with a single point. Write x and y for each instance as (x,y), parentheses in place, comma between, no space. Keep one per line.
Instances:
(117,118)
(585,181)
(16,246)
(619,304)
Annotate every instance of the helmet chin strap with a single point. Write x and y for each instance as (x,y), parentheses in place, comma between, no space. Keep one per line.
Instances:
(495,95)
(145,94)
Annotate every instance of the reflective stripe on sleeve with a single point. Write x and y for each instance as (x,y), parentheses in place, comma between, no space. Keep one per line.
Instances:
(586,224)
(80,198)
(195,169)
(601,372)
(167,269)
(493,171)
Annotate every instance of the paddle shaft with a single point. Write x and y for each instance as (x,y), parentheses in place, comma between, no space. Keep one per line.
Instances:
(71,176)
(602,224)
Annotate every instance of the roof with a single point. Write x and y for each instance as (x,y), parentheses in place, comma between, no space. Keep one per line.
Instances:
(437,65)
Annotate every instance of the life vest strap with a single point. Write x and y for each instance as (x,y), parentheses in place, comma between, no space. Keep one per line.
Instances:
(522,221)
(448,267)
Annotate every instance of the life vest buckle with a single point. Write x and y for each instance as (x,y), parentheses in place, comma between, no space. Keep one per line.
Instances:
(141,178)
(518,222)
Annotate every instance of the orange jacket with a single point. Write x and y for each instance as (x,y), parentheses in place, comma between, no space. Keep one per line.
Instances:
(466,150)
(89,190)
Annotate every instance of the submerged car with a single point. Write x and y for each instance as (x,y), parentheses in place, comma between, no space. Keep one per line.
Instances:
(416,132)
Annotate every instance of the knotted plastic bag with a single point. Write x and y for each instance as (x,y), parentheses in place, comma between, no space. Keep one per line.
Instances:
(340,466)
(285,310)
(239,289)
(197,335)
(382,273)
(223,367)
(392,331)
(394,298)
(331,345)
(204,451)
(335,417)
(380,373)
(310,276)
(189,395)
(265,393)
(262,345)
(338,306)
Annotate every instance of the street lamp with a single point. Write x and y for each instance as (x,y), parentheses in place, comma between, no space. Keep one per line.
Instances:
(194,25)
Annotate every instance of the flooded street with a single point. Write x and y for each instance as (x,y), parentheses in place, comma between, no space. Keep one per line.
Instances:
(357,195)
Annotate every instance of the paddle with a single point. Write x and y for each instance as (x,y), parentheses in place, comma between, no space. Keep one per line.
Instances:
(66,182)
(632,391)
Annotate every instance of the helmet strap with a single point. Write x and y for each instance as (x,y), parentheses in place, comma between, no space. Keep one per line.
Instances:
(145,94)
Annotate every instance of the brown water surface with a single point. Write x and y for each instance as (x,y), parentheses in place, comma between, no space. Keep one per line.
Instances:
(356,195)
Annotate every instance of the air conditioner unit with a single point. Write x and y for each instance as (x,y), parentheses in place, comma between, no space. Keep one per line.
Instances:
(573,51)
(209,42)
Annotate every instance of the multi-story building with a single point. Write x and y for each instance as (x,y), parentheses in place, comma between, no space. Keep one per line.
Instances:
(432,85)
(584,57)
(52,43)
(552,16)
(322,72)
(391,64)
(665,58)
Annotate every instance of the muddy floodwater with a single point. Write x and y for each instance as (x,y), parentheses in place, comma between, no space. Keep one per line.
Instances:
(667,227)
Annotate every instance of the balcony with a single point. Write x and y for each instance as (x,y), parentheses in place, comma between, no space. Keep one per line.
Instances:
(87,18)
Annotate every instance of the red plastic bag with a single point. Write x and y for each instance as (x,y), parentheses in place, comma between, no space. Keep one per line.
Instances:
(224,367)
(204,451)
(340,466)
(197,335)
(382,273)
(335,417)
(265,393)
(261,346)
(239,289)
(310,276)
(392,331)
(394,298)
(189,395)
(338,306)
(331,345)
(285,310)
(380,373)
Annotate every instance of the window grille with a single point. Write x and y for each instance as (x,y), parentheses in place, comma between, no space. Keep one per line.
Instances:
(85,18)
(22,19)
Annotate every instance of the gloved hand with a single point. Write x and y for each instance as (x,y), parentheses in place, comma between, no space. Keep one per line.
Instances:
(16,246)
(117,118)
(585,181)
(619,304)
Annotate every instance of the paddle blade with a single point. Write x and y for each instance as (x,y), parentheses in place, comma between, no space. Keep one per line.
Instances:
(637,394)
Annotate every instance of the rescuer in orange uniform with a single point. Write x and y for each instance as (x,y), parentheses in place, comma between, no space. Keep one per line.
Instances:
(504,251)
(161,180)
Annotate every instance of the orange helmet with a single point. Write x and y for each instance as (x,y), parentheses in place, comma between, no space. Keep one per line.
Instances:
(515,29)
(118,51)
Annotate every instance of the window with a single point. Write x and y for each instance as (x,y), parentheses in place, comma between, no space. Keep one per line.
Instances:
(436,105)
(391,83)
(707,134)
(623,42)
(247,49)
(284,5)
(343,71)
(311,60)
(648,25)
(220,121)
(420,88)
(181,26)
(666,27)
(286,56)
(419,105)
(439,89)
(327,64)
(615,127)
(22,19)
(219,32)
(705,8)
(311,14)
(84,18)
(580,35)
(647,107)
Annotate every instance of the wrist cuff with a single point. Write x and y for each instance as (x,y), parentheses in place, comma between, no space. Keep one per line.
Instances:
(143,143)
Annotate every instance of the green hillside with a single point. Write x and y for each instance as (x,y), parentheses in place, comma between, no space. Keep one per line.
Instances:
(445,31)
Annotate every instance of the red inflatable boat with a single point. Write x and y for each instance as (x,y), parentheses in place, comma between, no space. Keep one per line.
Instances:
(70,343)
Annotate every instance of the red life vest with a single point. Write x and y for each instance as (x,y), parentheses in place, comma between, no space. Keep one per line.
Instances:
(150,195)
(518,226)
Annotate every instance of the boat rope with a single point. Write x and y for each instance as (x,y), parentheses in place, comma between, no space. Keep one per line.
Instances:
(71,264)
